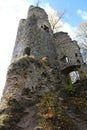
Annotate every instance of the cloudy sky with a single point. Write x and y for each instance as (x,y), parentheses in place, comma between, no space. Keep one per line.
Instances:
(11,11)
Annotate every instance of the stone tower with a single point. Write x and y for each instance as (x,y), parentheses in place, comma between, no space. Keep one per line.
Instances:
(35,36)
(29,76)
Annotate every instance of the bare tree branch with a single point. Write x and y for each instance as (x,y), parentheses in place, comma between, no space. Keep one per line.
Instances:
(56,22)
(38,3)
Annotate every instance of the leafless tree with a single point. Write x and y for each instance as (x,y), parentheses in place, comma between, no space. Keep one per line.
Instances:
(55,20)
(82,33)
(81,37)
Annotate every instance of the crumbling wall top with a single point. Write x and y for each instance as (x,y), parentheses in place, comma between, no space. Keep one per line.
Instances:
(62,38)
(37,11)
(60,33)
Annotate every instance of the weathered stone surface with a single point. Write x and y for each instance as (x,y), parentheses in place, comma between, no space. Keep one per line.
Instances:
(27,80)
(36,38)
(68,52)
(35,33)
(40,65)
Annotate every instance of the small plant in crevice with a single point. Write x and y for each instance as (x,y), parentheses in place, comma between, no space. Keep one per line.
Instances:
(69,89)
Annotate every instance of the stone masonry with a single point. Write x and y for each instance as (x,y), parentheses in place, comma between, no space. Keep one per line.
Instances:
(36,38)
(68,52)
(40,62)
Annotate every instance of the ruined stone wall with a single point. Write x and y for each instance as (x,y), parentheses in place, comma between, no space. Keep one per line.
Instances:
(68,51)
(35,36)
(37,11)
(38,58)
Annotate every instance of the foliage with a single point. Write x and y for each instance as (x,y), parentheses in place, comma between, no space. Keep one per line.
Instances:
(75,96)
(83,75)
(11,115)
(52,116)
(70,89)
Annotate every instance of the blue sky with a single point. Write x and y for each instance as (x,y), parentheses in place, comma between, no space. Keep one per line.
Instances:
(73,8)
(11,11)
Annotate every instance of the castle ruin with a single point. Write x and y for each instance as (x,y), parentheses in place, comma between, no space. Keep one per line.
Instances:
(36,38)
(27,76)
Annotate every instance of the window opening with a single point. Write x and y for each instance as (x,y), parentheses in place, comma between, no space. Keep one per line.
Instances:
(76,54)
(27,51)
(78,61)
(45,28)
(65,59)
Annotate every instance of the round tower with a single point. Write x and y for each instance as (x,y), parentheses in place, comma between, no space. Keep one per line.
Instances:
(35,36)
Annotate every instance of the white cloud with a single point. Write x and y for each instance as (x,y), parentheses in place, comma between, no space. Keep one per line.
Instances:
(66,27)
(48,8)
(82,14)
(53,16)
